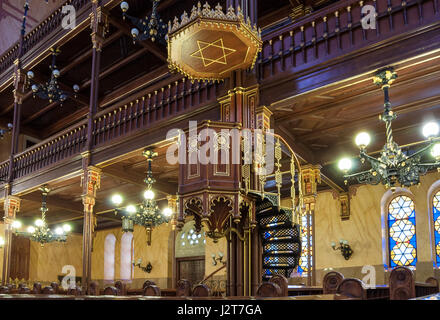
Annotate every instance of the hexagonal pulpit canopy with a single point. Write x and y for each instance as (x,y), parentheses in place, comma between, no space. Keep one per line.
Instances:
(210,44)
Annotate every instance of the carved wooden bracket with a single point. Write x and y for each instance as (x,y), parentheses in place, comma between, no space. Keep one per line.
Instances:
(11,207)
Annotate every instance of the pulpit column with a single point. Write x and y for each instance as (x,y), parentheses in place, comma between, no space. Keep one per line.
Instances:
(90,181)
(11,207)
(311,175)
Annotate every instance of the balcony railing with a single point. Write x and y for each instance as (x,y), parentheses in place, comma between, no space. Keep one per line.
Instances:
(51,23)
(337,30)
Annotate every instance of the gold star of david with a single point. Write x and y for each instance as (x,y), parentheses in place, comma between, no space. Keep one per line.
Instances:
(208,58)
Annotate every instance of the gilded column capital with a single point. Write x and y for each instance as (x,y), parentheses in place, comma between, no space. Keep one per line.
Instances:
(311,175)
(11,207)
(91,181)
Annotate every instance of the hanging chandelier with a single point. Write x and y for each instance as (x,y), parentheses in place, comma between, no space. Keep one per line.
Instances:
(152,27)
(40,232)
(394,166)
(50,90)
(147,214)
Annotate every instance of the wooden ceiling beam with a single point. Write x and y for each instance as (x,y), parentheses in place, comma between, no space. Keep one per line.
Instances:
(125,176)
(55,202)
(402,109)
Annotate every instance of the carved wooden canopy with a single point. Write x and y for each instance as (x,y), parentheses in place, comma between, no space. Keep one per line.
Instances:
(209,44)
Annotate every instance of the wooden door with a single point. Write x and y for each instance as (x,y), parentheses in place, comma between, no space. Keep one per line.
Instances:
(191,268)
(20,257)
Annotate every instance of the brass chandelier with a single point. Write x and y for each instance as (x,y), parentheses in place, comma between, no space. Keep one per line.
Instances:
(152,27)
(50,90)
(40,232)
(394,166)
(147,214)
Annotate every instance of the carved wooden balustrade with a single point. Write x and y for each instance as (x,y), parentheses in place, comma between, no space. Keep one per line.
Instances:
(64,145)
(337,30)
(118,121)
(37,35)
(170,101)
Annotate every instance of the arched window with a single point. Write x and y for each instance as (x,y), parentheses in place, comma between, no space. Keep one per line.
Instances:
(306,245)
(109,257)
(126,255)
(189,243)
(402,232)
(436,217)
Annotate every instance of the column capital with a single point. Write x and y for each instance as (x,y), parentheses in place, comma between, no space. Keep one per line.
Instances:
(90,181)
(99,25)
(11,207)
(311,175)
(263,117)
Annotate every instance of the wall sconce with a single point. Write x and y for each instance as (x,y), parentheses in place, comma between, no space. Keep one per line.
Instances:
(146,269)
(2,242)
(345,248)
(219,259)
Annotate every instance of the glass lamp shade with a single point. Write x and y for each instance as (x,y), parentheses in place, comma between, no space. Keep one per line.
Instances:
(16,224)
(430,129)
(436,151)
(39,223)
(149,195)
(31,229)
(344,164)
(56,73)
(362,140)
(34,88)
(134,32)
(167,212)
(59,231)
(67,228)
(76,88)
(124,6)
(127,225)
(131,209)
(30,74)
(117,199)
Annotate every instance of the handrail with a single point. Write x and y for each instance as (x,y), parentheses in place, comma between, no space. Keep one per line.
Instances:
(49,24)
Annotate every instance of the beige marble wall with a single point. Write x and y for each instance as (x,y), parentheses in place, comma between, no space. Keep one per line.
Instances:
(46,263)
(365,231)
(159,254)
(214,248)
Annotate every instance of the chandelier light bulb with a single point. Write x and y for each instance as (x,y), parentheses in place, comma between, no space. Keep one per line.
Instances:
(16,224)
(39,223)
(134,32)
(117,199)
(362,140)
(149,195)
(30,75)
(76,88)
(436,151)
(56,73)
(167,212)
(67,228)
(344,164)
(430,129)
(34,88)
(31,229)
(124,6)
(59,231)
(131,209)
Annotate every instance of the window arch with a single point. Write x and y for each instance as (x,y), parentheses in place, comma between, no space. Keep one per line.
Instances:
(126,255)
(436,224)
(190,243)
(109,257)
(402,242)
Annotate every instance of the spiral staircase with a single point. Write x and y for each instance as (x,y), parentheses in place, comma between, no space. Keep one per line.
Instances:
(280,239)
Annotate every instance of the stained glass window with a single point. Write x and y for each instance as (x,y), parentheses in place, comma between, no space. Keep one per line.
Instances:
(402,232)
(436,216)
(306,230)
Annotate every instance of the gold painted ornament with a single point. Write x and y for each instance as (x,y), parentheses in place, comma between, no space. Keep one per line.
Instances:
(209,44)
